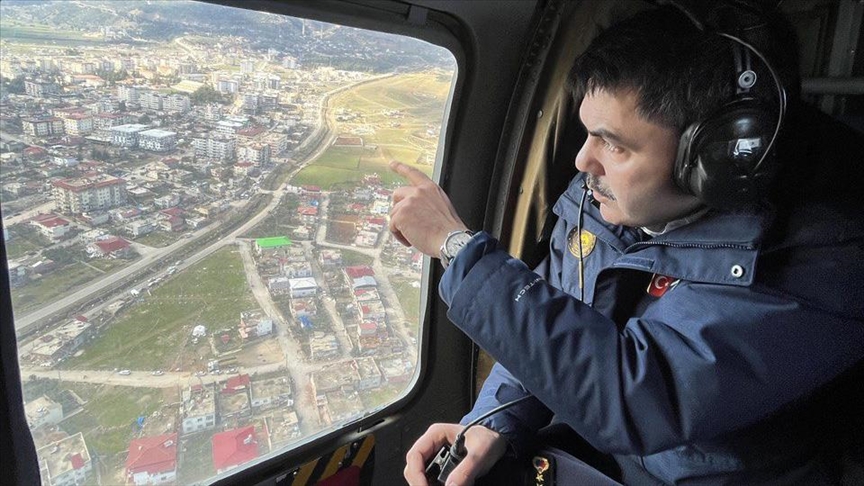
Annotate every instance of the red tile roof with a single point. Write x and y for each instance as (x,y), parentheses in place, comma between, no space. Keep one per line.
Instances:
(236,383)
(112,244)
(234,447)
(175,211)
(359,271)
(77,461)
(153,455)
(52,222)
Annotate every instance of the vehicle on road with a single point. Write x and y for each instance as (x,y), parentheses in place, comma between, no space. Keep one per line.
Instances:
(124,372)
(158,373)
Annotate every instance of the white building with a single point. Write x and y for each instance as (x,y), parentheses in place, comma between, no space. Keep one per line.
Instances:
(302,287)
(150,100)
(43,127)
(101,191)
(65,462)
(256,153)
(78,124)
(229,127)
(227,86)
(43,411)
(177,102)
(157,140)
(129,94)
(126,135)
(140,228)
(215,147)
(52,227)
(199,409)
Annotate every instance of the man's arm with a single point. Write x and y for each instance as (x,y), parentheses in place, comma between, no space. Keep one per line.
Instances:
(519,423)
(661,381)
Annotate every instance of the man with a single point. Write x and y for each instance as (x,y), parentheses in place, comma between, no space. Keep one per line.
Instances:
(695,345)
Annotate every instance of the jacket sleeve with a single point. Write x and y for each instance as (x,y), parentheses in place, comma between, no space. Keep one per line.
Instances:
(518,423)
(718,357)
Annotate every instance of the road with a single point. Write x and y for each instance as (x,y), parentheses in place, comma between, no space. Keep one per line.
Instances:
(299,369)
(395,313)
(24,322)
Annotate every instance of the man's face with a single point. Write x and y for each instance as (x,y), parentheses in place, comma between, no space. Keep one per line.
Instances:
(628,161)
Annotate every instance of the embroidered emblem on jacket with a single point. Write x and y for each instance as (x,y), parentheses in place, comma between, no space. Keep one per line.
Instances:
(588,242)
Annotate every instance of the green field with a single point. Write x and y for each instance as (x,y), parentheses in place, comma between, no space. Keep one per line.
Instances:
(155,334)
(158,239)
(43,34)
(409,298)
(108,420)
(17,246)
(52,286)
(351,258)
(419,99)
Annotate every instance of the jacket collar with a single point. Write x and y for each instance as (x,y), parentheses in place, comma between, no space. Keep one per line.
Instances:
(720,247)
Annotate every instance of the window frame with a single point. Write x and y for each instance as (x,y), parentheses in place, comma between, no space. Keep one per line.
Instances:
(472,130)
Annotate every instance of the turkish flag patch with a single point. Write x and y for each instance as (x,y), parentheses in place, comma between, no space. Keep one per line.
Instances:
(660,284)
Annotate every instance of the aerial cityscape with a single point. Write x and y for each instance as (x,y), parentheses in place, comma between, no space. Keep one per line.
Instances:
(195,203)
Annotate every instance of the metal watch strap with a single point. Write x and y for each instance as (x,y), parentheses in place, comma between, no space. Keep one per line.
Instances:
(445,257)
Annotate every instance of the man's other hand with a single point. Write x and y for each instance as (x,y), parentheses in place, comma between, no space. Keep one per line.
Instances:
(484,448)
(422,214)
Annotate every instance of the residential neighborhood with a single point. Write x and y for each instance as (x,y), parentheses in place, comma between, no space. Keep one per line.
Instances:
(194,287)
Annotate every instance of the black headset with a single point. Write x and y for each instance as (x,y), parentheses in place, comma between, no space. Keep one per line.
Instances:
(727,160)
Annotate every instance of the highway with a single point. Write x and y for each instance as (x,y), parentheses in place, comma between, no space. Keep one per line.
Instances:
(25,322)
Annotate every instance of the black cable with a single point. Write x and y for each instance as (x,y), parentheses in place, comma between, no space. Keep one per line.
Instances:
(458,448)
(781,94)
(585,191)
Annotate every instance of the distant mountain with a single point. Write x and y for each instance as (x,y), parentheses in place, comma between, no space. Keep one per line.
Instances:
(312,42)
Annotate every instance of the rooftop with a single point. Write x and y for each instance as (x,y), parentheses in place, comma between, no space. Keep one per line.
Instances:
(234,447)
(64,455)
(153,455)
(157,133)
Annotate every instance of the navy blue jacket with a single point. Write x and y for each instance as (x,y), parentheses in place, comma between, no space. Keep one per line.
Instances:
(712,381)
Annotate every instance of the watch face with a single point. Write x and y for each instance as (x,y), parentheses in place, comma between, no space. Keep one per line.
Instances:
(456,242)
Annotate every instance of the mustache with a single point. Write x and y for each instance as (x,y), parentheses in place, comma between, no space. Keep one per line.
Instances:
(595,185)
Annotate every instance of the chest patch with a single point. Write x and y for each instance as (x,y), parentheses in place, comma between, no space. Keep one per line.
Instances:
(588,241)
(660,284)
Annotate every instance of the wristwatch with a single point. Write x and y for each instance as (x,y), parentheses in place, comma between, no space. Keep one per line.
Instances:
(454,242)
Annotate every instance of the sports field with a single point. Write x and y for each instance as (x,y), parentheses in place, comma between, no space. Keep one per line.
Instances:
(398,118)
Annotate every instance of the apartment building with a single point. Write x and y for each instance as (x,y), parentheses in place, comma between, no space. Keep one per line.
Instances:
(88,193)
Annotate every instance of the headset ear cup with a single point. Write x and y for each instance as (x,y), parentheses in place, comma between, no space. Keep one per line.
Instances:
(725,161)
(683,161)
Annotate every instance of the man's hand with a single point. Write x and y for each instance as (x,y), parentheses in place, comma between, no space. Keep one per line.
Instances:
(422,214)
(484,448)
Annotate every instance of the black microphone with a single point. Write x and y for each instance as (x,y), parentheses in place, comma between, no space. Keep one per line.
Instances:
(586,194)
(450,456)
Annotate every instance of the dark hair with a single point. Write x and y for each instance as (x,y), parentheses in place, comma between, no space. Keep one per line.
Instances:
(681,74)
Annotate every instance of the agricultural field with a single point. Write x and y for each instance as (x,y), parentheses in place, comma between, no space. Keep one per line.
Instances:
(395,118)
(156,333)
(43,34)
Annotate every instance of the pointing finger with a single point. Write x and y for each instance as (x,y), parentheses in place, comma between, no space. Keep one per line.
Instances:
(414,176)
